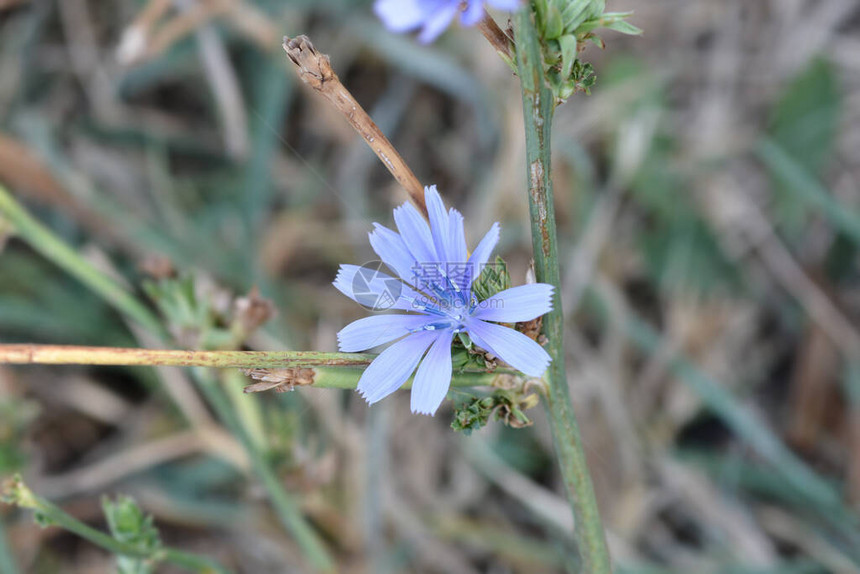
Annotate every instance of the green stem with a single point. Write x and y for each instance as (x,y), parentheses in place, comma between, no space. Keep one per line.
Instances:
(538,107)
(114,356)
(286,507)
(347,378)
(17,493)
(330,370)
(55,250)
(248,409)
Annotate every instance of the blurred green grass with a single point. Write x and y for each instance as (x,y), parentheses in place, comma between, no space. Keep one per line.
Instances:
(718,339)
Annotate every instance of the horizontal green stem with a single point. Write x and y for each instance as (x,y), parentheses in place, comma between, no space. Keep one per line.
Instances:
(347,378)
(330,370)
(17,493)
(76,355)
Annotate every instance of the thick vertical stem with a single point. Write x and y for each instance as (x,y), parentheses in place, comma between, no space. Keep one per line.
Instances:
(538,106)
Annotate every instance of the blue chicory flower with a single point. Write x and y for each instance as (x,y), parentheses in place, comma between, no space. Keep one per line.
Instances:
(435,284)
(433,16)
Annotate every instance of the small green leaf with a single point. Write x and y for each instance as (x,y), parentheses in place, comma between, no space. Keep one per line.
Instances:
(129,525)
(625,28)
(541,7)
(610,20)
(554,26)
(465,339)
(574,14)
(568,45)
(473,415)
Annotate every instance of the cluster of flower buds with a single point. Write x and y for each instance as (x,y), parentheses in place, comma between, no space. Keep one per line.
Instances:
(565,26)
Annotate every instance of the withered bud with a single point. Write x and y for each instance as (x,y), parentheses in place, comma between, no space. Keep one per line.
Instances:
(531,329)
(530,273)
(279,380)
(508,415)
(252,311)
(313,68)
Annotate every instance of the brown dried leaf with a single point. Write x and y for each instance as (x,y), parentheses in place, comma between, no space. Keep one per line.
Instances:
(252,311)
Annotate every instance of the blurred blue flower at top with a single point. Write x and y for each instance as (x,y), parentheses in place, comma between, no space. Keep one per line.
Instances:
(433,16)
(436,274)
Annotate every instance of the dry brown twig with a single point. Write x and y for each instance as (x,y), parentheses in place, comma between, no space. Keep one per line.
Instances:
(315,70)
(498,39)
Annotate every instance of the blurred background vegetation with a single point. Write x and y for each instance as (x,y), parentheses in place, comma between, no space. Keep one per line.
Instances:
(708,192)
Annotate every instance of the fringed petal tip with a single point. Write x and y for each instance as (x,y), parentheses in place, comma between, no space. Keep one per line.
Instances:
(550,296)
(340,279)
(546,361)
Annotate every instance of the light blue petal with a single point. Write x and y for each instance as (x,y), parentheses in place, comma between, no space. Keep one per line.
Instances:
(438,223)
(377,330)
(449,238)
(399,15)
(482,252)
(390,247)
(458,252)
(507,5)
(416,234)
(461,269)
(437,23)
(511,346)
(434,376)
(404,297)
(392,367)
(522,303)
(473,13)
